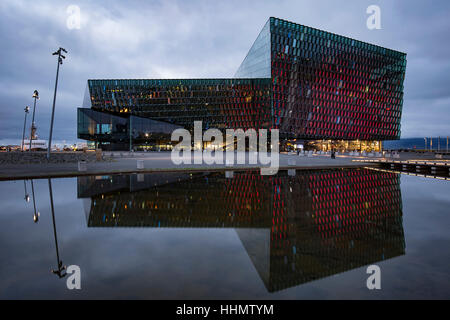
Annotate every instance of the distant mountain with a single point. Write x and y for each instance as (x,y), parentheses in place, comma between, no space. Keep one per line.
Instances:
(416,143)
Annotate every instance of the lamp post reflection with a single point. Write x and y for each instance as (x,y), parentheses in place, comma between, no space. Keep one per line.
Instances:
(36,213)
(27,196)
(61,271)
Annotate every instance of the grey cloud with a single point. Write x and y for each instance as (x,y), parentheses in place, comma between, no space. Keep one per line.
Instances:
(193,39)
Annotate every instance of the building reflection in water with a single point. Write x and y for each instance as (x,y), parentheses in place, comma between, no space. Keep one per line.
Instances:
(296,227)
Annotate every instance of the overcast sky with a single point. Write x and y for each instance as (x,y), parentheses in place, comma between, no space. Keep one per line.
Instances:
(200,39)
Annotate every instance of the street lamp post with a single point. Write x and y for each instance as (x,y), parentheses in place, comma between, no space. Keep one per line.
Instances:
(27,110)
(60,61)
(33,127)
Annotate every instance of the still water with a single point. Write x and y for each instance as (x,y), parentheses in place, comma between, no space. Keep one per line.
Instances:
(216,235)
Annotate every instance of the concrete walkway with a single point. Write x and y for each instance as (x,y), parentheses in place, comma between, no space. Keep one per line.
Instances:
(161,161)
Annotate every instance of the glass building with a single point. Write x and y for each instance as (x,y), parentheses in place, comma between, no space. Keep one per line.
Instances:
(321,90)
(141,114)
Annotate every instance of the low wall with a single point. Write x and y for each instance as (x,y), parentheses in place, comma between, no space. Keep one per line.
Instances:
(41,157)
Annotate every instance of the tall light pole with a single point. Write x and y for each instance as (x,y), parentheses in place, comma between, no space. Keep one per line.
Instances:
(27,110)
(60,61)
(33,127)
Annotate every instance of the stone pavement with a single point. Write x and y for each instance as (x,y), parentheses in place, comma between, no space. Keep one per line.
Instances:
(161,161)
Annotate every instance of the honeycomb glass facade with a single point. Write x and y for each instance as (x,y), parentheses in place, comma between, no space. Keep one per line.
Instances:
(310,84)
(171,104)
(326,86)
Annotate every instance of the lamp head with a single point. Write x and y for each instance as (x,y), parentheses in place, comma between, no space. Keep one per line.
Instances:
(27,109)
(36,94)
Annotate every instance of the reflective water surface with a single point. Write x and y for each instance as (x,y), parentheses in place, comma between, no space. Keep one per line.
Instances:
(296,235)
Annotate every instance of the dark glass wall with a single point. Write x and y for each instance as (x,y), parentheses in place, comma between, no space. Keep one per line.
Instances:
(100,126)
(257,63)
(112,132)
